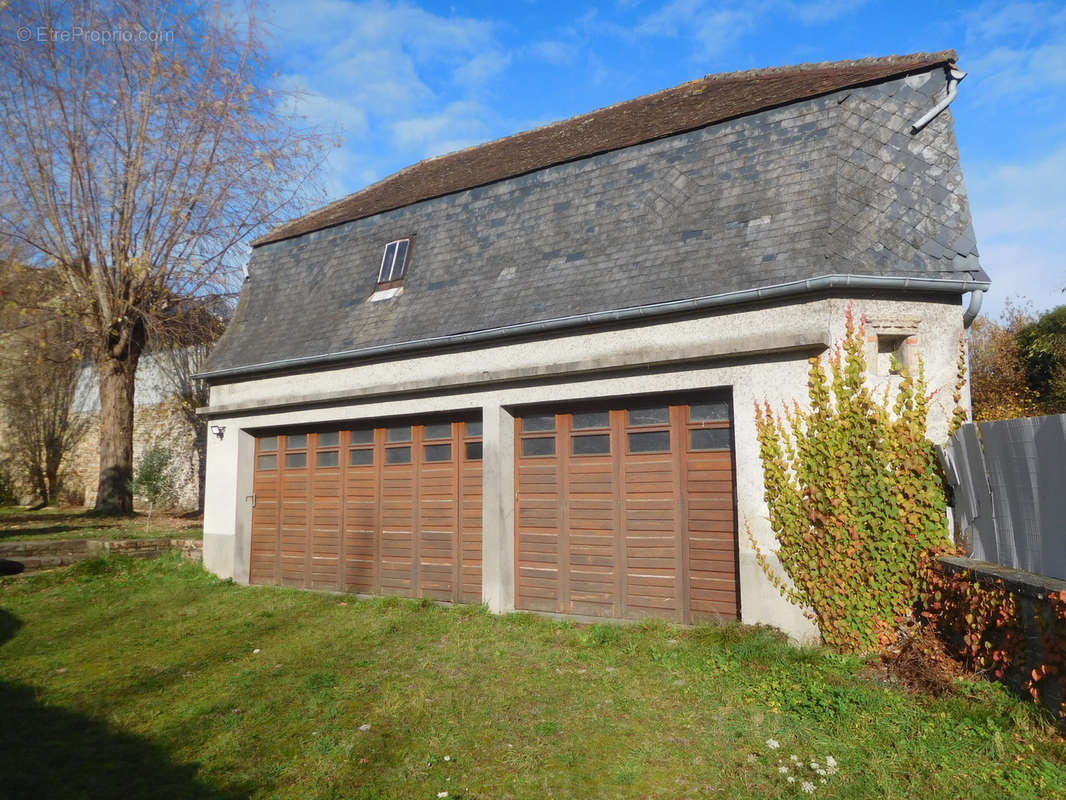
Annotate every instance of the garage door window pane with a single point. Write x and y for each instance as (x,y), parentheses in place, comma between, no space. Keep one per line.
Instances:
(295,460)
(398,455)
(541,446)
(440,431)
(438,452)
(399,434)
(329,439)
(591,445)
(709,439)
(473,427)
(709,412)
(473,451)
(327,458)
(360,458)
(539,422)
(651,442)
(362,437)
(296,441)
(268,462)
(658,415)
(268,443)
(592,419)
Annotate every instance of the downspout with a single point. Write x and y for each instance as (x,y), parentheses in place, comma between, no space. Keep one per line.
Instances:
(976,296)
(954,76)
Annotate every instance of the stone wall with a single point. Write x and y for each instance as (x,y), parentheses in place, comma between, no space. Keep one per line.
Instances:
(1033,642)
(160,425)
(18,557)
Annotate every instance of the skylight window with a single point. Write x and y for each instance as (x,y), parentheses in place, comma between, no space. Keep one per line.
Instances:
(394,261)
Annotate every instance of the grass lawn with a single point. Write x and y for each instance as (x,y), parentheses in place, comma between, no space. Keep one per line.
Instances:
(153,679)
(18,523)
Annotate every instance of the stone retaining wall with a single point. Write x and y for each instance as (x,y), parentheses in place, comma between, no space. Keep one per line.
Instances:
(1039,628)
(30,556)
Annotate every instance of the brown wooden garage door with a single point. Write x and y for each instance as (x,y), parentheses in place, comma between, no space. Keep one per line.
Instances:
(390,509)
(628,510)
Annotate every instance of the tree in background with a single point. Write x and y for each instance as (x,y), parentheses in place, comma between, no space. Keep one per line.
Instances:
(1042,345)
(999,387)
(178,361)
(39,382)
(38,392)
(136,168)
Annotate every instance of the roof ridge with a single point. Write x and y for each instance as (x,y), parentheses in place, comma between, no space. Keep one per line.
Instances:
(908,58)
(327,216)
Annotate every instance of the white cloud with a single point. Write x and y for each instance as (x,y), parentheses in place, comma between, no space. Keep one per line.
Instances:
(555,52)
(716,27)
(457,126)
(320,110)
(483,68)
(1018,214)
(1020,50)
(819,12)
(399,81)
(997,20)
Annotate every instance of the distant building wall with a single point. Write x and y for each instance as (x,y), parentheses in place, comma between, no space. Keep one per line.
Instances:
(158,421)
(160,425)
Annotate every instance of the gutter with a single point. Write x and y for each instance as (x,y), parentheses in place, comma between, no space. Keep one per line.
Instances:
(635,313)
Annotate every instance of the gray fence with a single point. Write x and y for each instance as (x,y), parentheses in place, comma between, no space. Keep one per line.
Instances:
(1009,484)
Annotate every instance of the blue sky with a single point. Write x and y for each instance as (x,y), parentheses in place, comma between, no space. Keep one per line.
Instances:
(404,81)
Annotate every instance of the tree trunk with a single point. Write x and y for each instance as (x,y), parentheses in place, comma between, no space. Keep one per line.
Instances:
(201,462)
(52,458)
(114,495)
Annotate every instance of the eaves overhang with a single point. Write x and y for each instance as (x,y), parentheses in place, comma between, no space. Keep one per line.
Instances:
(632,314)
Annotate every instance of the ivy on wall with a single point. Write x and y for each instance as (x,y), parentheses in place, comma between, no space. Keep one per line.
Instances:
(992,630)
(855,495)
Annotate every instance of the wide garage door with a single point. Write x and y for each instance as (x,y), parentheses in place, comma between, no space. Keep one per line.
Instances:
(627,510)
(376,509)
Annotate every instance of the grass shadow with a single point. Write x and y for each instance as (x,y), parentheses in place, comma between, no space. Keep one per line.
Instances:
(49,752)
(43,532)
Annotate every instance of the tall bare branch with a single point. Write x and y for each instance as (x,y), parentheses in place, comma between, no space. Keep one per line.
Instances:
(142,146)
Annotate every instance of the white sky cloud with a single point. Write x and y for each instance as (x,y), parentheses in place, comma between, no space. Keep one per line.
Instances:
(459,125)
(1019,212)
(378,69)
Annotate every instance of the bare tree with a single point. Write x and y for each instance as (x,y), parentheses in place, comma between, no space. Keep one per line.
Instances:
(39,380)
(142,146)
(38,395)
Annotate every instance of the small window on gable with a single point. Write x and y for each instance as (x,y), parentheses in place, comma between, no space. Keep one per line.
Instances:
(890,354)
(394,261)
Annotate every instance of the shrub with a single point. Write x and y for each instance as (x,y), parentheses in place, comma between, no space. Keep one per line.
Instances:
(153,479)
(855,496)
(9,495)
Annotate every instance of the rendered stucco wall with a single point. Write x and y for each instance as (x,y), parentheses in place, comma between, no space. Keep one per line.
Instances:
(775,343)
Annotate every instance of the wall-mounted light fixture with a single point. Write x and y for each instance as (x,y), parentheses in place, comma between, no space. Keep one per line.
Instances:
(218,430)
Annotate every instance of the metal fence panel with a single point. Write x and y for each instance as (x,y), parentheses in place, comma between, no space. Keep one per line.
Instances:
(1026,463)
(1009,484)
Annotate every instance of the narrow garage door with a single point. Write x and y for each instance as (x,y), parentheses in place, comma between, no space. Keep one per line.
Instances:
(628,511)
(378,509)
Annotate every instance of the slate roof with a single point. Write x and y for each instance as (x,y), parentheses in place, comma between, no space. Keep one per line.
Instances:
(823,185)
(691,105)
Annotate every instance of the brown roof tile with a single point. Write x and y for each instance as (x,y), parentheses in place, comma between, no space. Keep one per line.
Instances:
(691,105)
